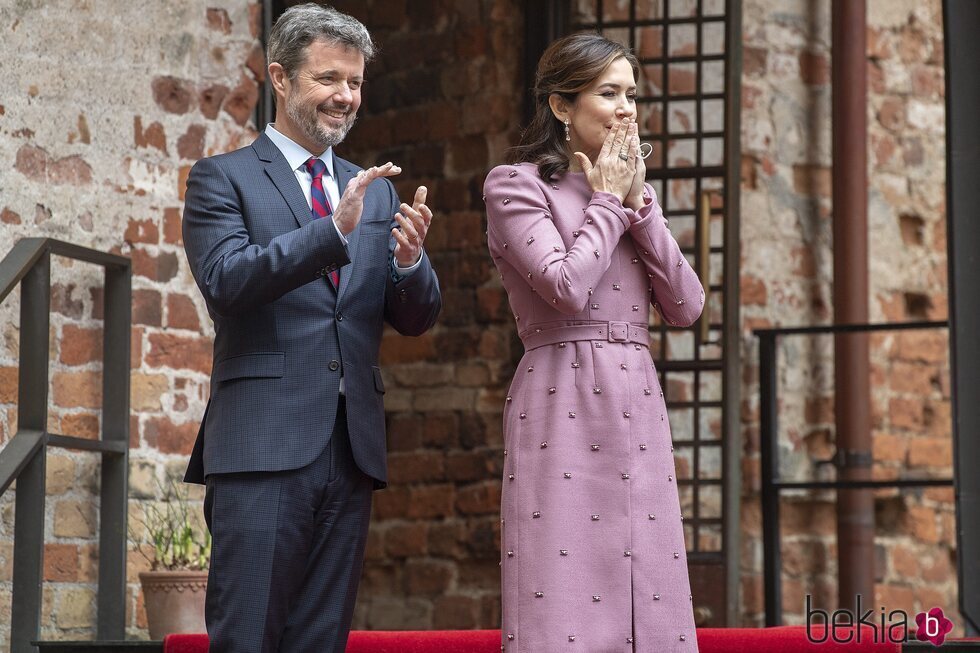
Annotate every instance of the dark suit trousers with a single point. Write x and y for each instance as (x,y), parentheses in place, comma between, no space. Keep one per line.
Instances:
(287,553)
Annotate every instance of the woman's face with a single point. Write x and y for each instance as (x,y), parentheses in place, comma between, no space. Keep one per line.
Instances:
(610,99)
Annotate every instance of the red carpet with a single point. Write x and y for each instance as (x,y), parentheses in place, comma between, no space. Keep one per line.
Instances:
(787,639)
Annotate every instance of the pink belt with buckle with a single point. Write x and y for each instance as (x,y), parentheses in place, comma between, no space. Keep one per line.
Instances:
(608,331)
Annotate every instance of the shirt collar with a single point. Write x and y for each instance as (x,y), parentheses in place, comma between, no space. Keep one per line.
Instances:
(296,155)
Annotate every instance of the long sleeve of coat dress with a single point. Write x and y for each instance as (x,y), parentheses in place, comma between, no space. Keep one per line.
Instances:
(676,291)
(521,230)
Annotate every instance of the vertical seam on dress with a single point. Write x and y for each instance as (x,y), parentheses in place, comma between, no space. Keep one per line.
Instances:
(521,528)
(629,491)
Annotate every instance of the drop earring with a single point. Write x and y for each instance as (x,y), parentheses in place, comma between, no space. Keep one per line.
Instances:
(568,136)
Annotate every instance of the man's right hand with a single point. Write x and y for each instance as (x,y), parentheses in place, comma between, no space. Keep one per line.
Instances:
(348,213)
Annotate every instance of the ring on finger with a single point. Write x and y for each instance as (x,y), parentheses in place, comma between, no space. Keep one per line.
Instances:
(623,155)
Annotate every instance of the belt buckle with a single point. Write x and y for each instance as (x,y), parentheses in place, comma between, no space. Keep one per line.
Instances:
(619,332)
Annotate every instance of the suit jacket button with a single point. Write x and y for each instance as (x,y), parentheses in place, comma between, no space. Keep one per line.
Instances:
(340,317)
(334,366)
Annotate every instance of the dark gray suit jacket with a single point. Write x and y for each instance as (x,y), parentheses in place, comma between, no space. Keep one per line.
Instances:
(282,332)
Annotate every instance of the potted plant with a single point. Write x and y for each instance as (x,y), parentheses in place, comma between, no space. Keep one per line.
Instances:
(174,588)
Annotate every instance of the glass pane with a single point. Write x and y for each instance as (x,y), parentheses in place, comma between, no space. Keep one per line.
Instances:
(649,9)
(682,228)
(713,38)
(683,40)
(712,151)
(683,78)
(684,462)
(682,117)
(680,387)
(709,390)
(710,423)
(650,42)
(681,154)
(651,80)
(709,501)
(713,77)
(709,537)
(584,11)
(615,10)
(680,345)
(713,115)
(683,8)
(709,462)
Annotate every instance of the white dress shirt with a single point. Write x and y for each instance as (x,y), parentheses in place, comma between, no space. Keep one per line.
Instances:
(297,156)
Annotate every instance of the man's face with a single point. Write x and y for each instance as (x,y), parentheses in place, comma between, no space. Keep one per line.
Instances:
(322,100)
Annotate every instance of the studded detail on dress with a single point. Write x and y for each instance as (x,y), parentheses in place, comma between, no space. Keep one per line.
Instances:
(586,432)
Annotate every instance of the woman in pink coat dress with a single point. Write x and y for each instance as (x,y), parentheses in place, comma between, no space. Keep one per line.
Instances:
(593,556)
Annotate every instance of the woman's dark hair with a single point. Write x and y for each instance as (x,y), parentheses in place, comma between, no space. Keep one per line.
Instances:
(569,66)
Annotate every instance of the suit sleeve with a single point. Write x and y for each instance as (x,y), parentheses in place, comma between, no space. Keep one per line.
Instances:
(413,301)
(675,289)
(520,230)
(235,275)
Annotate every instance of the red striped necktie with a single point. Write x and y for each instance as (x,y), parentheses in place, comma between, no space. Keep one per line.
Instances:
(320,201)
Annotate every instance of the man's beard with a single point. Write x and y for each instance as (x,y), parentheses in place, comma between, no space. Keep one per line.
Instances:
(307,118)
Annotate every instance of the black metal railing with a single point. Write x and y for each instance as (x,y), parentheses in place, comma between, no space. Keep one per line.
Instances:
(772,485)
(23,458)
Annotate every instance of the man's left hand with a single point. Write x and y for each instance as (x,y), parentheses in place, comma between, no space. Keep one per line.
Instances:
(414,222)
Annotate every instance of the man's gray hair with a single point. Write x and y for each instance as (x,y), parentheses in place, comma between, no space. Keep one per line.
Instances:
(301,25)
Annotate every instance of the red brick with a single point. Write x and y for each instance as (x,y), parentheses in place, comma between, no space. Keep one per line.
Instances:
(172,227)
(136,347)
(211,98)
(180,352)
(914,378)
(147,307)
(427,577)
(64,302)
(80,346)
(182,313)
(407,539)
(60,562)
(173,95)
(218,20)
(454,612)
(183,172)
(906,413)
(925,346)
(922,524)
(77,389)
(32,162)
(754,61)
(255,10)
(9,217)
(813,181)
(889,448)
(753,291)
(392,503)
(191,144)
(167,437)
(161,267)
(8,385)
(904,562)
(82,425)
(142,231)
(480,499)
(416,466)
(240,102)
(814,68)
(891,114)
(396,348)
(930,452)
(809,518)
(256,62)
(431,501)
(153,136)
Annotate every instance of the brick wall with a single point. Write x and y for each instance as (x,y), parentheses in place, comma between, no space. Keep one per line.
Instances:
(104,107)
(443,100)
(112,123)
(787,276)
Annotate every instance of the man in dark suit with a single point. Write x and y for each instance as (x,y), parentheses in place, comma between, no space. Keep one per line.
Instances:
(301,257)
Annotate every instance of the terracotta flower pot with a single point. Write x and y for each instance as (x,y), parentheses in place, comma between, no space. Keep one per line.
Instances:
(174,601)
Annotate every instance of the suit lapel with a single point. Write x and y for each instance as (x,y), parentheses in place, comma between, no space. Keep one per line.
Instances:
(345,172)
(284,178)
